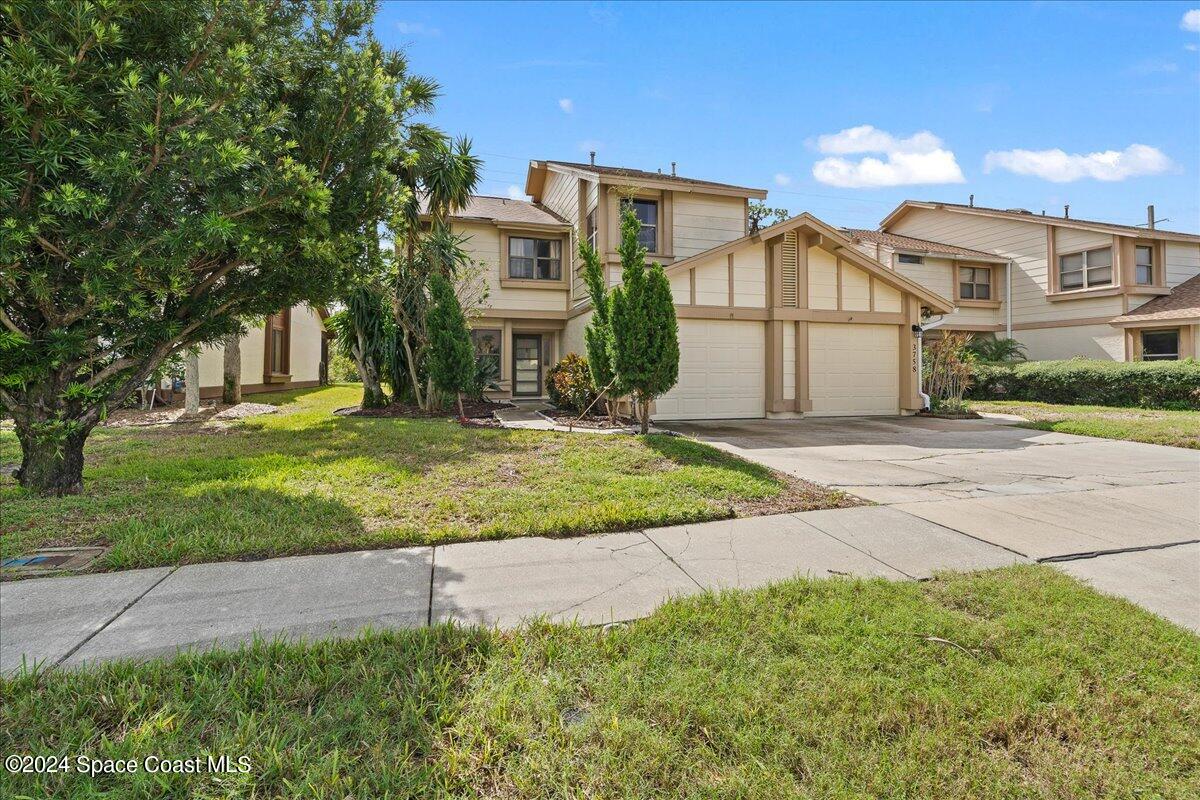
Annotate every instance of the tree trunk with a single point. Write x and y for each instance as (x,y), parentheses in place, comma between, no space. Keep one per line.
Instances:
(368,372)
(51,467)
(232,364)
(645,415)
(191,384)
(461,413)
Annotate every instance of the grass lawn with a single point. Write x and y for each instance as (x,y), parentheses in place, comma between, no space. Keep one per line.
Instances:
(304,480)
(1175,428)
(808,688)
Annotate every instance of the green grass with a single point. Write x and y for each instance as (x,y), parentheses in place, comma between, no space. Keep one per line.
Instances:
(304,481)
(1174,428)
(808,688)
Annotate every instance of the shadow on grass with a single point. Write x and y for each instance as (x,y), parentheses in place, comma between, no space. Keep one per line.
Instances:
(690,453)
(359,717)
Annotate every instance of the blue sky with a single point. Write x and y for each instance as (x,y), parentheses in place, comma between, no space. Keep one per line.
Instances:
(1024,105)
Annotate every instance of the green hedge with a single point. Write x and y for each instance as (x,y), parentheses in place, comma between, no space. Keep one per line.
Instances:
(1147,384)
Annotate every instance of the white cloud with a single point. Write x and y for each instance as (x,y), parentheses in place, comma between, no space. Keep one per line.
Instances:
(782,179)
(920,158)
(567,105)
(1191,20)
(1061,167)
(516,192)
(417,29)
(1191,47)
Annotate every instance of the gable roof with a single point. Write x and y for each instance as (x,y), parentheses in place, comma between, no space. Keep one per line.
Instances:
(1182,303)
(505,210)
(615,175)
(845,249)
(912,244)
(1042,219)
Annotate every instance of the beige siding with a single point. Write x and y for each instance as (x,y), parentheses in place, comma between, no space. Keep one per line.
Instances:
(1022,242)
(702,222)
(483,245)
(304,358)
(211,366)
(712,282)
(1183,262)
(1072,240)
(935,274)
(822,279)
(561,195)
(856,289)
(887,298)
(681,288)
(750,277)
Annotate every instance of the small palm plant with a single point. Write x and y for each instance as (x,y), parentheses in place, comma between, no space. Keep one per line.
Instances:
(947,362)
(996,349)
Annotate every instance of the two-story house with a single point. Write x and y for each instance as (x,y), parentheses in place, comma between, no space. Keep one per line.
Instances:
(792,319)
(1063,287)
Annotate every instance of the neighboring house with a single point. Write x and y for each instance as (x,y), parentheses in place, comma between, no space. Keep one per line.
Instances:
(1078,287)
(289,351)
(790,319)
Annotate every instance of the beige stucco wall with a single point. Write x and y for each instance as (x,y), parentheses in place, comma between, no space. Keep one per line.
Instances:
(1086,341)
(305,355)
(572,336)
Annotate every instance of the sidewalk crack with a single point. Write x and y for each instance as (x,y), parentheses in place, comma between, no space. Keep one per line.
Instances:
(114,617)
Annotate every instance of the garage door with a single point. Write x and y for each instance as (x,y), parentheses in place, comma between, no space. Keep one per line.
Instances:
(853,369)
(721,372)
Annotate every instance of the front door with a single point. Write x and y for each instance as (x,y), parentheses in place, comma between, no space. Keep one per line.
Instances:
(527,365)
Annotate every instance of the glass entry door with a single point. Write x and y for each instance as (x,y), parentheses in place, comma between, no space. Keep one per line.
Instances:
(527,365)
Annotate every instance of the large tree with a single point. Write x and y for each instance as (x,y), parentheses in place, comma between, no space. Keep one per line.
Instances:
(644,339)
(167,169)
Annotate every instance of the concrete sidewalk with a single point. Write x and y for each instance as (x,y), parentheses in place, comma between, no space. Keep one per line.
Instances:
(594,579)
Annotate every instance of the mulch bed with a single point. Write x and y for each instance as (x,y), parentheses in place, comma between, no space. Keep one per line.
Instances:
(590,421)
(949,415)
(800,495)
(478,412)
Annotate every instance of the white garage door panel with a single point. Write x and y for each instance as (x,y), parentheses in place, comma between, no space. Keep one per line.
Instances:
(721,372)
(853,369)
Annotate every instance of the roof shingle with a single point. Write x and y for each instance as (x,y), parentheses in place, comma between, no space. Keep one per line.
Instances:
(504,209)
(899,242)
(1182,303)
(641,174)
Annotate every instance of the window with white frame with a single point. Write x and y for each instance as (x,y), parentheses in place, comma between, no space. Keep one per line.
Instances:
(1162,345)
(975,283)
(1143,264)
(1085,270)
(591,228)
(534,259)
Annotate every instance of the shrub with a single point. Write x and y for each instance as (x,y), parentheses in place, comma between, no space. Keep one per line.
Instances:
(996,349)
(1079,381)
(342,368)
(569,383)
(947,367)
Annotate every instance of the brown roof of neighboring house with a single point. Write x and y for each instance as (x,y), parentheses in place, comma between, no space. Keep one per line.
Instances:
(641,174)
(507,210)
(1182,303)
(1029,216)
(899,242)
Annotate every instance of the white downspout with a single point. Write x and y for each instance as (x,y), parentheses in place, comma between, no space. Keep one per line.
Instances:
(919,330)
(1008,271)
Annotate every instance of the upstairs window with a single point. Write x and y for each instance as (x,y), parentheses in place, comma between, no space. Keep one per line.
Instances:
(647,214)
(534,259)
(1143,265)
(975,283)
(590,228)
(1160,345)
(1085,270)
(909,258)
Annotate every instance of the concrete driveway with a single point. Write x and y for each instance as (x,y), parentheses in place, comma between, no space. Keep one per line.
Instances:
(1123,515)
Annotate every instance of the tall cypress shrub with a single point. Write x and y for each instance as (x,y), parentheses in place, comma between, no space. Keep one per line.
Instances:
(644,345)
(451,357)
(598,333)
